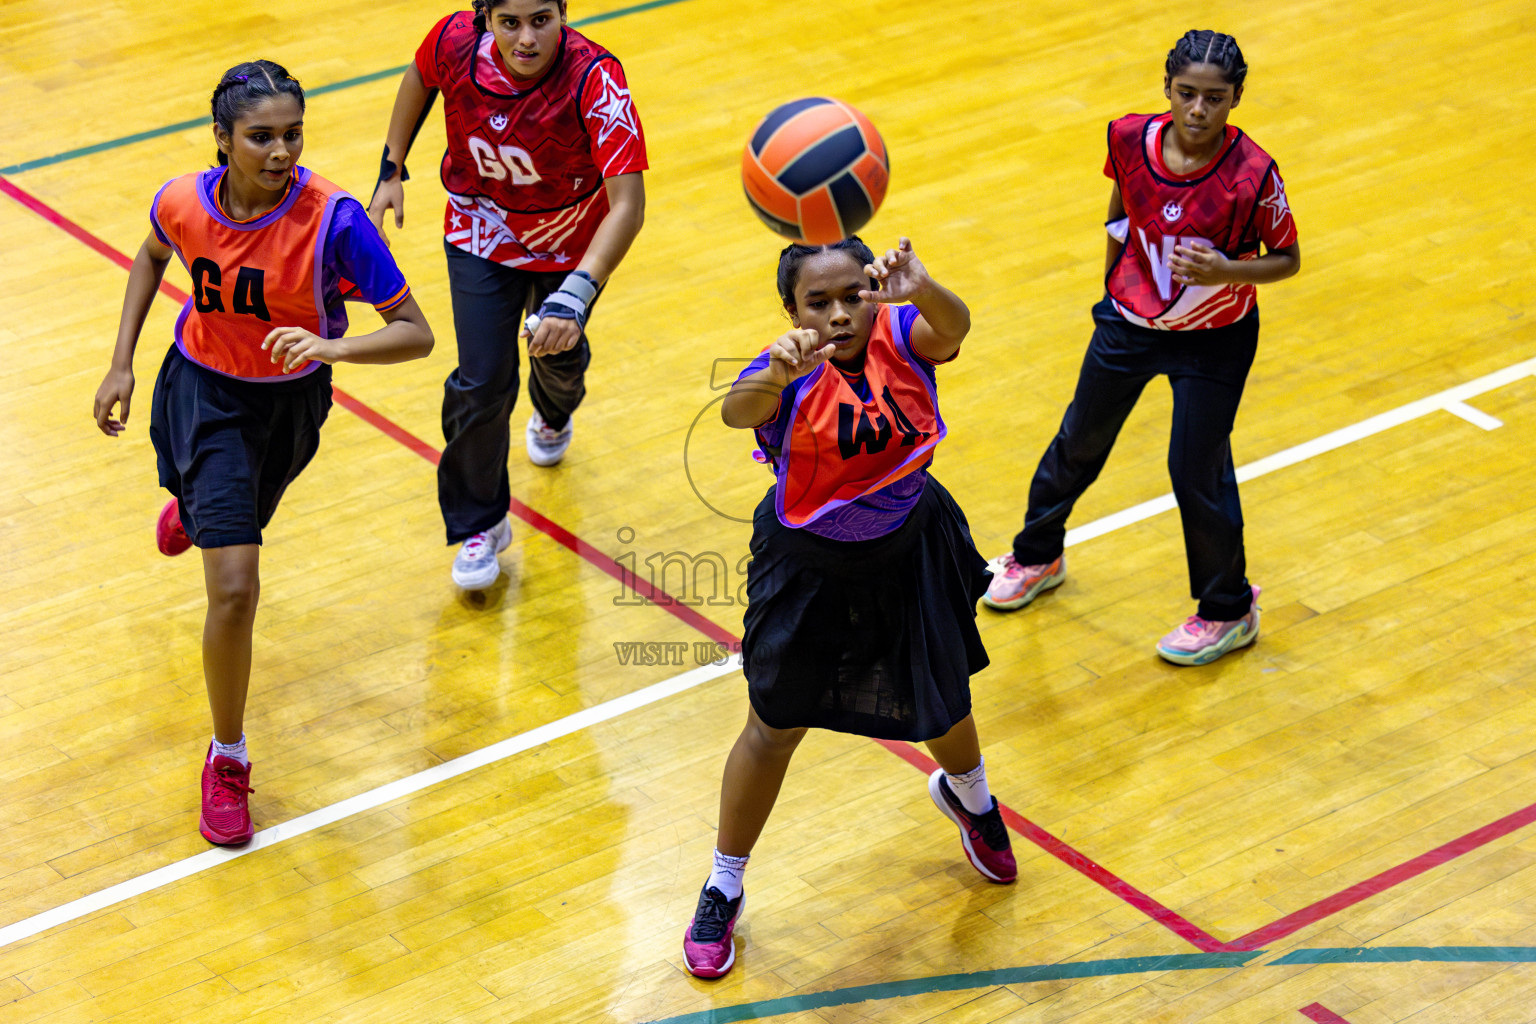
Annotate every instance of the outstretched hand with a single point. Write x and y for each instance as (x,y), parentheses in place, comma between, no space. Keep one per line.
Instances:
(800,351)
(900,273)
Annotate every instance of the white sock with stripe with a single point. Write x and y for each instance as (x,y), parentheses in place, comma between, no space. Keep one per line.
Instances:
(234,750)
(972,789)
(726,874)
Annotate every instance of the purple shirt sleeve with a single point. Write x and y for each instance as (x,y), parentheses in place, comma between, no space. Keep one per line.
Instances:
(154,217)
(354,251)
(770,436)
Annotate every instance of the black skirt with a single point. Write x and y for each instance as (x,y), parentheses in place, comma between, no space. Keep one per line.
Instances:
(874,637)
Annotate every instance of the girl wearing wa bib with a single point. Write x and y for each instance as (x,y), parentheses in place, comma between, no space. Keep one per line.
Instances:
(862,590)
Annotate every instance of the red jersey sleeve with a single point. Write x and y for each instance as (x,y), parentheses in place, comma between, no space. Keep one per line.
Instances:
(618,141)
(426,54)
(1275,225)
(1109,167)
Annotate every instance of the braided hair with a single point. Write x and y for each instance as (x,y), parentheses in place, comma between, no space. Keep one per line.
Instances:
(1202,46)
(793,255)
(245,85)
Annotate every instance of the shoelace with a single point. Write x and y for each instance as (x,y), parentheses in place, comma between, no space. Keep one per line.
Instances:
(227,784)
(989,828)
(713,915)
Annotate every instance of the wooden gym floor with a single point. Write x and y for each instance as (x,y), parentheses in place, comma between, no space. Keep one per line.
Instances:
(500,809)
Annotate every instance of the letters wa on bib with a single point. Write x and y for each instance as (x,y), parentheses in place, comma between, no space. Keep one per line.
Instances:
(862,589)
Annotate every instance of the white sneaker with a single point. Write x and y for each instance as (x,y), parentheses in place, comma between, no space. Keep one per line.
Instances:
(547,446)
(475,566)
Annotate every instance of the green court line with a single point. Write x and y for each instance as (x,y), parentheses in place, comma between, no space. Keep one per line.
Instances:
(953,982)
(319,90)
(1407,954)
(1099,969)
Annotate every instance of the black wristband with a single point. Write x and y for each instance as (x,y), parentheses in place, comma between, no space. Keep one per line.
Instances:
(387,167)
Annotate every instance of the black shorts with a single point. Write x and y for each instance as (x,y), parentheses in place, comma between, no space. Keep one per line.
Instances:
(228,449)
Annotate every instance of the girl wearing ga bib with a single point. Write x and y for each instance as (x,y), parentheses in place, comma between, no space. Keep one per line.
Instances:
(272,249)
(861,593)
(1194,200)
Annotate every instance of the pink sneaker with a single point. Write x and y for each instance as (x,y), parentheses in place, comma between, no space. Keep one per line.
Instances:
(1014,585)
(1201,641)
(170,537)
(984,836)
(226,819)
(709,946)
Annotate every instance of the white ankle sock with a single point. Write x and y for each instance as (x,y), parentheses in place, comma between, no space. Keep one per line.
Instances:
(971,788)
(234,750)
(726,874)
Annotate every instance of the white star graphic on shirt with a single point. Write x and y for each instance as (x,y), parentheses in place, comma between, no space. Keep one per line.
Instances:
(614,108)
(458,221)
(1276,204)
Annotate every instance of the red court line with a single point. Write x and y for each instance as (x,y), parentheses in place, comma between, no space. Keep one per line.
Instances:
(58,220)
(1169,919)
(1321,1014)
(391,429)
(1086,866)
(1258,938)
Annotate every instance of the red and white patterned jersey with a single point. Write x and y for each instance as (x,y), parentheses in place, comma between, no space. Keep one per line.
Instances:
(525,164)
(1232,204)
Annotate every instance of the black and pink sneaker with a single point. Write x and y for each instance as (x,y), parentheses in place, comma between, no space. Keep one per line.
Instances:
(984,836)
(709,947)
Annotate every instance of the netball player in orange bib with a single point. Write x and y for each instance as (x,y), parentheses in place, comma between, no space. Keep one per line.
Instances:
(243,391)
(1193,199)
(545,195)
(862,589)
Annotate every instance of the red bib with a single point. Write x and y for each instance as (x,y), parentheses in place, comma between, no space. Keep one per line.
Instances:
(839,447)
(1231,204)
(248,277)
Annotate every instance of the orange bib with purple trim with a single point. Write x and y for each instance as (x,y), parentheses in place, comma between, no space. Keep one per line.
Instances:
(839,447)
(248,276)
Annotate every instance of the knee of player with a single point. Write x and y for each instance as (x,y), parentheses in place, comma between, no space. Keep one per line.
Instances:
(234,590)
(766,738)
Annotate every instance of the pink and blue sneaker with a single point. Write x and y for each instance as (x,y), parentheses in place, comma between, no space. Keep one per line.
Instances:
(1201,641)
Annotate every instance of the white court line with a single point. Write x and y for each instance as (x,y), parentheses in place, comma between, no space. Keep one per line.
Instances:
(1450,400)
(1476,417)
(366,801)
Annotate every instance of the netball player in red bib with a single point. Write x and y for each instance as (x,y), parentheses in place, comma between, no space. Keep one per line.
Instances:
(1193,201)
(862,589)
(545,195)
(245,387)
